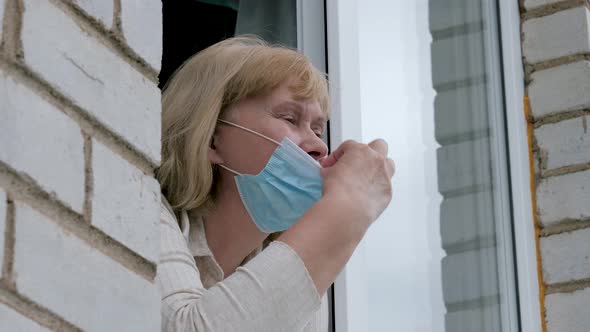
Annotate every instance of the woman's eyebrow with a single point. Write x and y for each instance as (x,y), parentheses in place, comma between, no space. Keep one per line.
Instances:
(287,105)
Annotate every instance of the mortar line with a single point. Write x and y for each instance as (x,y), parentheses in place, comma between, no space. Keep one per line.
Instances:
(117,27)
(480,302)
(458,30)
(531,68)
(552,8)
(568,286)
(87,122)
(34,311)
(565,226)
(559,116)
(570,169)
(9,243)
(28,191)
(11,30)
(88,178)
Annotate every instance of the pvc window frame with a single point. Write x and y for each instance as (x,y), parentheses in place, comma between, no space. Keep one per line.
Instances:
(351,292)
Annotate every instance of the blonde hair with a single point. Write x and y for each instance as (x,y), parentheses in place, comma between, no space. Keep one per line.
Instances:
(203,89)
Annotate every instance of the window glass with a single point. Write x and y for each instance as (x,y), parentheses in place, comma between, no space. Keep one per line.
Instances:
(192,25)
(440,258)
(273,20)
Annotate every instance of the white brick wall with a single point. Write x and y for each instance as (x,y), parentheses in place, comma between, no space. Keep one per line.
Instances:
(142,21)
(470,275)
(2,225)
(43,142)
(483,319)
(86,219)
(126,202)
(96,78)
(463,165)
(461,111)
(568,312)
(458,58)
(450,13)
(13,321)
(561,88)
(564,197)
(555,45)
(59,271)
(467,218)
(566,142)
(553,36)
(566,256)
(101,10)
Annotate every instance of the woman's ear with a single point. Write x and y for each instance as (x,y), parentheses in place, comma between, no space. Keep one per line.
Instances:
(213,153)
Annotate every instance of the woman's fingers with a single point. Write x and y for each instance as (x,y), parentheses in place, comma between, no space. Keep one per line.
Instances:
(390,167)
(380,146)
(331,159)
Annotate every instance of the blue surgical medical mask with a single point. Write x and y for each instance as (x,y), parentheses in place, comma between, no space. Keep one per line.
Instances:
(279,195)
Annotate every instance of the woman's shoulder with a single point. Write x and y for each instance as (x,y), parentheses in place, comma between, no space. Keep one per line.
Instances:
(167,214)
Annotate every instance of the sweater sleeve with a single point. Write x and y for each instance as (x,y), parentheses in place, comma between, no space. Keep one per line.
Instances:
(272,292)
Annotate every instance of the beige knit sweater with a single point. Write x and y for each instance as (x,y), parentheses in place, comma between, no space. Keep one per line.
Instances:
(271,291)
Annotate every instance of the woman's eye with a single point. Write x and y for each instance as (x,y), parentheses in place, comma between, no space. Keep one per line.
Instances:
(289,119)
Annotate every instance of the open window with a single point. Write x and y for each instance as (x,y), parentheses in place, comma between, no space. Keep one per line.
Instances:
(190,26)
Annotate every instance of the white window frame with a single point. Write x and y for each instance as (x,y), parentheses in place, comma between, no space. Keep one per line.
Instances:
(350,288)
(351,291)
(520,173)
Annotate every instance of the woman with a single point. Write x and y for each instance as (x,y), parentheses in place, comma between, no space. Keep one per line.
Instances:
(237,109)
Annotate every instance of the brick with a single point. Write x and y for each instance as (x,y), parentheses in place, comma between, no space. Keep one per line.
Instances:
(2,225)
(564,197)
(464,165)
(565,143)
(41,141)
(563,33)
(566,256)
(561,88)
(444,14)
(530,4)
(568,311)
(142,28)
(457,58)
(461,112)
(101,10)
(466,218)
(125,202)
(98,80)
(470,275)
(13,321)
(482,319)
(59,271)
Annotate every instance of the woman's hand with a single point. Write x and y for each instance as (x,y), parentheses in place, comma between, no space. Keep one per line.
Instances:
(359,175)
(357,188)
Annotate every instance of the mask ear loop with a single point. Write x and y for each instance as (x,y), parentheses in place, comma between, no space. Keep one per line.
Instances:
(228,169)
(249,130)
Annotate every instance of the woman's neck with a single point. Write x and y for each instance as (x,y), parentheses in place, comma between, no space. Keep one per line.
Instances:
(231,234)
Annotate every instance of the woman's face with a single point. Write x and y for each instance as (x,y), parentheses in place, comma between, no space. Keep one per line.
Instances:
(277,115)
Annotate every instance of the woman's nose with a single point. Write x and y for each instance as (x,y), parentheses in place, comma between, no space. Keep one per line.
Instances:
(314,146)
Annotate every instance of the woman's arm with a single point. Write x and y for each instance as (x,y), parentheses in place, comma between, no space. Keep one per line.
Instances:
(272,292)
(357,188)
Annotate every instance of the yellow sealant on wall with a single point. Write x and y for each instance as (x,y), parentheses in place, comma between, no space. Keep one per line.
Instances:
(529,121)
